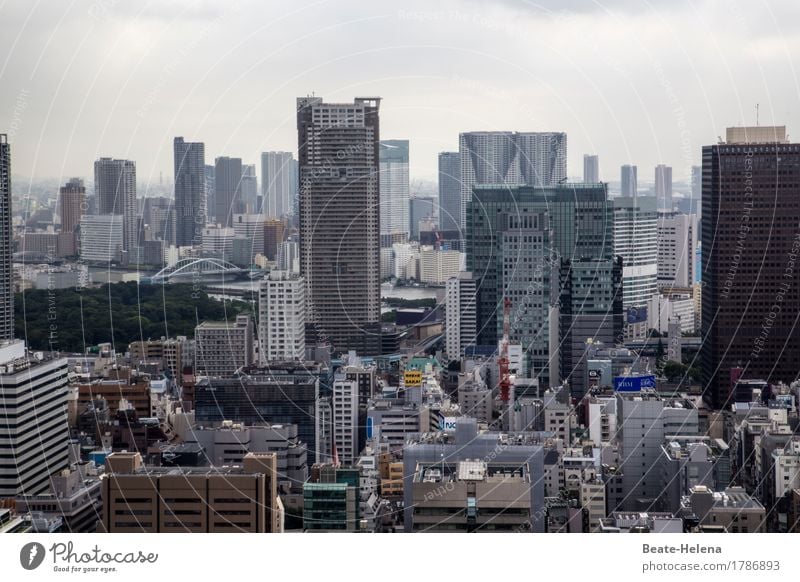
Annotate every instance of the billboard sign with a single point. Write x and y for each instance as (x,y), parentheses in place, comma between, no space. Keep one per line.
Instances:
(634,383)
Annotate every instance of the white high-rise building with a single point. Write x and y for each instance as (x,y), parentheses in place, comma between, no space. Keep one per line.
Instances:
(677,241)
(591,169)
(510,158)
(282,318)
(636,241)
(115,193)
(218,242)
(394,187)
(345,418)
(101,237)
(34,434)
(289,256)
(251,228)
(437,266)
(460,314)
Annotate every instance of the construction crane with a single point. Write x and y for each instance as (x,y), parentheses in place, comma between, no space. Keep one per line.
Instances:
(502,360)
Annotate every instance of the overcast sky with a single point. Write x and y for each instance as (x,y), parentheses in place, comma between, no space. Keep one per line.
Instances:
(634,81)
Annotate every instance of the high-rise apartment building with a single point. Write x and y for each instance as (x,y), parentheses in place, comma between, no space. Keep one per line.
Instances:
(591,169)
(664,187)
(71,204)
(449,191)
(750,238)
(190,192)
(249,189)
(394,186)
(460,323)
(278,183)
(115,192)
(282,318)
(510,159)
(628,182)
(6,231)
(340,220)
(34,435)
(227,189)
(677,240)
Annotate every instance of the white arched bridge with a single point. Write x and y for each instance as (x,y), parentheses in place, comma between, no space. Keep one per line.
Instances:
(205,270)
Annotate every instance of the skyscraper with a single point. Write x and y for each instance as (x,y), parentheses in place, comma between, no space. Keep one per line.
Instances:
(6,267)
(394,187)
(282,318)
(449,191)
(664,187)
(420,208)
(510,158)
(338,146)
(636,241)
(71,204)
(697,190)
(227,189)
(591,169)
(677,240)
(249,189)
(190,191)
(750,241)
(115,190)
(278,183)
(628,182)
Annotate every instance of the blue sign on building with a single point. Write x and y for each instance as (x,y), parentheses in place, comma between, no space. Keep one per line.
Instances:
(634,383)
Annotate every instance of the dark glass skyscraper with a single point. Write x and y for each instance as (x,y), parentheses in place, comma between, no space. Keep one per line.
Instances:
(190,191)
(449,191)
(338,147)
(228,189)
(750,250)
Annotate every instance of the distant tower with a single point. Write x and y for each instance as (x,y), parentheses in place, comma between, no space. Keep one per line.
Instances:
(115,189)
(190,192)
(664,187)
(395,192)
(278,183)
(628,183)
(449,191)
(6,270)
(228,189)
(591,169)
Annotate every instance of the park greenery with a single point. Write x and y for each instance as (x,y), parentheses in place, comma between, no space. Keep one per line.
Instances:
(71,320)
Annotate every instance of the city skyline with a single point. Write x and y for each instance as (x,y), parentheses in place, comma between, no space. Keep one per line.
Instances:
(679,107)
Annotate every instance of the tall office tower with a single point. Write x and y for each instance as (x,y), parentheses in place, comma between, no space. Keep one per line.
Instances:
(227,189)
(288,256)
(248,229)
(6,233)
(579,255)
(190,191)
(115,190)
(339,221)
(697,191)
(664,187)
(420,208)
(34,434)
(751,285)
(249,189)
(222,347)
(211,195)
(510,158)
(677,240)
(395,193)
(449,191)
(591,169)
(278,183)
(628,182)
(636,241)
(460,322)
(71,204)
(282,318)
